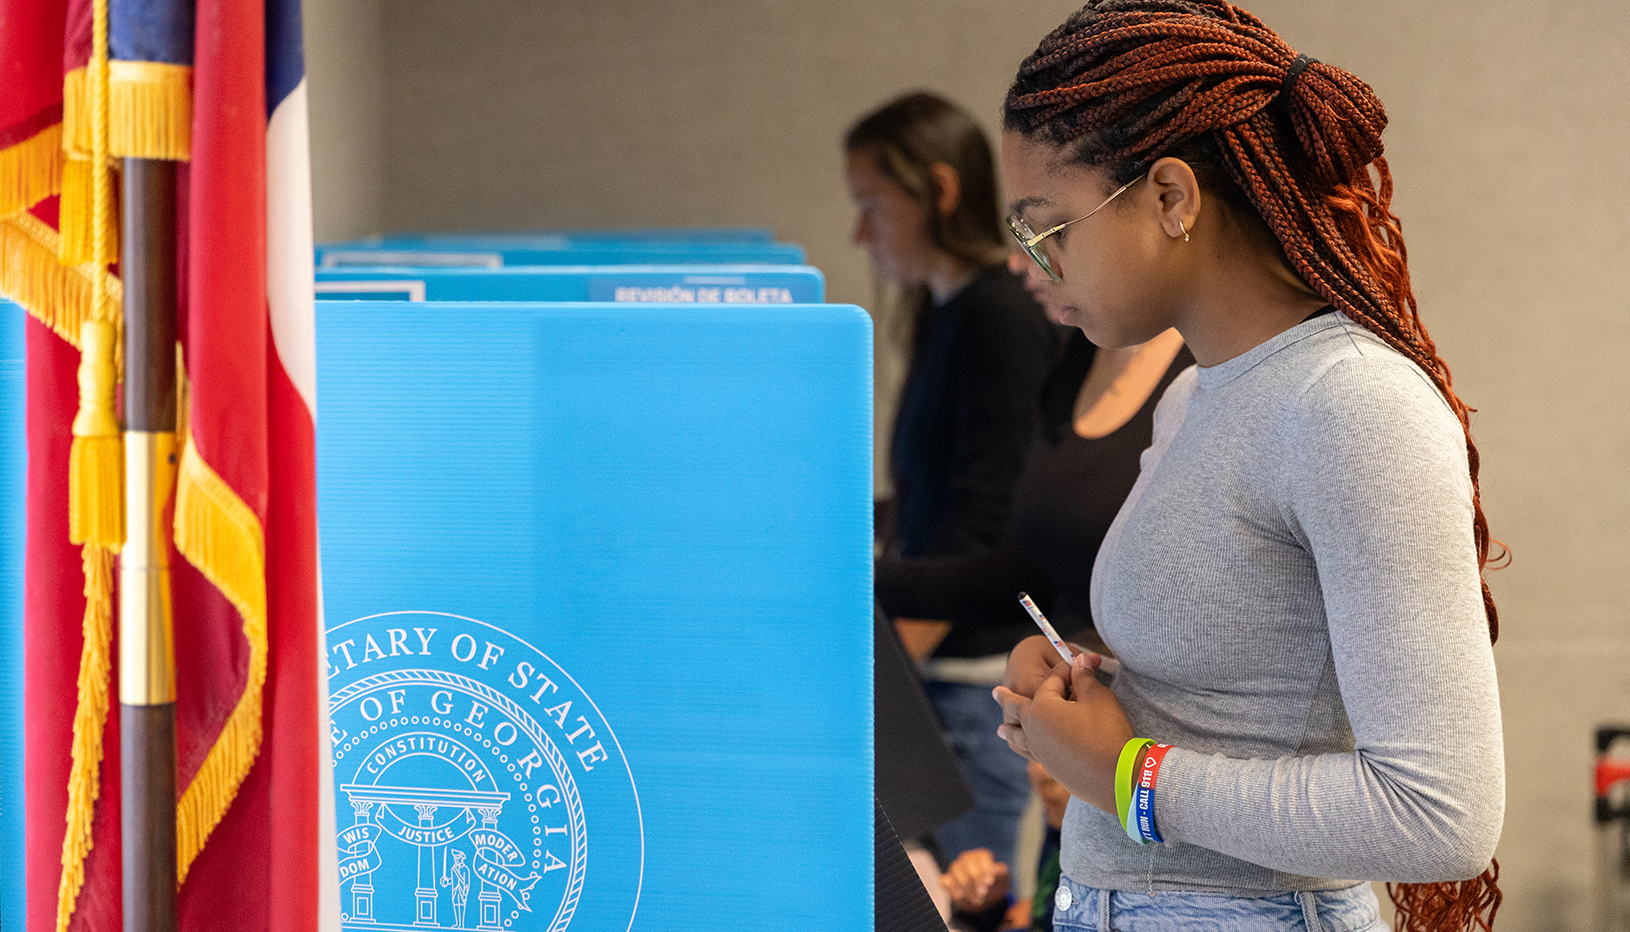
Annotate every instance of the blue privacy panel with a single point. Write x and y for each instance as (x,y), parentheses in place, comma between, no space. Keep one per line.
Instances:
(598,586)
(13,461)
(688,284)
(566,252)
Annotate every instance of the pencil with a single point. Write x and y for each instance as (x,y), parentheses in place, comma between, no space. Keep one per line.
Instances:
(1046,627)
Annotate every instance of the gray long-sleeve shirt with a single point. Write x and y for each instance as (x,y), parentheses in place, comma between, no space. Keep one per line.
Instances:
(1292,589)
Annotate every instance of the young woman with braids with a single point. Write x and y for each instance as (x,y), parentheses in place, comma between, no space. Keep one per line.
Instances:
(1307,697)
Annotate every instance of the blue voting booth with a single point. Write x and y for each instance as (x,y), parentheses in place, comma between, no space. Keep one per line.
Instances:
(13,460)
(441,239)
(562,251)
(598,586)
(687,284)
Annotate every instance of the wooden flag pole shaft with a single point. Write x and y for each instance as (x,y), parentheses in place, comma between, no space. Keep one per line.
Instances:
(146,648)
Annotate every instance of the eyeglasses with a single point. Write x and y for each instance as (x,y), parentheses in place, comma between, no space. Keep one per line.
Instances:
(1031,240)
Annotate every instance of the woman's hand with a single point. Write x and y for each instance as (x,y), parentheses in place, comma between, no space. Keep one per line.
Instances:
(1070,723)
(920,636)
(1029,664)
(976,881)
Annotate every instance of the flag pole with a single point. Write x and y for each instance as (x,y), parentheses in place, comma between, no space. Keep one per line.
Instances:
(146,648)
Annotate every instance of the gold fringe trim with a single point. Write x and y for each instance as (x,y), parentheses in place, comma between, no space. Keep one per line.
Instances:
(221,536)
(56,295)
(76,214)
(76,114)
(31,170)
(150,112)
(85,141)
(90,722)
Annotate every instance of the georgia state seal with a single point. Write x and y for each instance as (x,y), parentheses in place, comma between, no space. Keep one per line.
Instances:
(471,772)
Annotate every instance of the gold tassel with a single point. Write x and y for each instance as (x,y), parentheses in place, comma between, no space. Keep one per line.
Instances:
(150,113)
(95,490)
(31,170)
(96,463)
(95,494)
(90,721)
(220,535)
(56,295)
(96,458)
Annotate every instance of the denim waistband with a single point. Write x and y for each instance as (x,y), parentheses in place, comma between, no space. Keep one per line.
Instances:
(1078,908)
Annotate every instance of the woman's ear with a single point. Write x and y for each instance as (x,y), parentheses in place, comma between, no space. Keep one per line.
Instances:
(1179,196)
(947,188)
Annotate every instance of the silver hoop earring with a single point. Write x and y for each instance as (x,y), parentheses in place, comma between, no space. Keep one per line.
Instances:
(1185,231)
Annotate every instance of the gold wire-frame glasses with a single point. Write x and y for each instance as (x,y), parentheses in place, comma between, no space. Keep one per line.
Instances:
(1030,240)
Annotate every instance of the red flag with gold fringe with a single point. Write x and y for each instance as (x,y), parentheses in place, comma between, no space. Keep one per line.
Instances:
(58,269)
(254,814)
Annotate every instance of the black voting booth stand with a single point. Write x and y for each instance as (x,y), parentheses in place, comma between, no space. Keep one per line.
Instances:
(919,786)
(902,902)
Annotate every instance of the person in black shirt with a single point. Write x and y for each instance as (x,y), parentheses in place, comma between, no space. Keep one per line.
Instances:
(1096,418)
(921,174)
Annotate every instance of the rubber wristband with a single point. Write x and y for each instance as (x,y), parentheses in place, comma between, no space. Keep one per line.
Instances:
(1143,794)
(1125,769)
(1139,817)
(1142,817)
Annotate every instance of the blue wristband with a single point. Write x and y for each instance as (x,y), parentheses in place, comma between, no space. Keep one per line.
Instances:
(1143,807)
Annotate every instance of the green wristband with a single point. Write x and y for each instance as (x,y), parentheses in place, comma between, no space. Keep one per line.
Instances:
(1125,771)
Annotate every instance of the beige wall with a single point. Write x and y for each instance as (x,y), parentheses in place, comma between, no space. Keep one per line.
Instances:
(1509,141)
(345,68)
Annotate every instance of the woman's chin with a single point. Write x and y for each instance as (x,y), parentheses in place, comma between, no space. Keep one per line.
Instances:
(1072,317)
(1095,331)
(897,277)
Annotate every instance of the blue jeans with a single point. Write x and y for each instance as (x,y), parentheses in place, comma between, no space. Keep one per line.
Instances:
(1001,787)
(1078,908)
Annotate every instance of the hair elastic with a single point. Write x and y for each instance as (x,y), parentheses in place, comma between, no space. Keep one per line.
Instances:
(1292,73)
